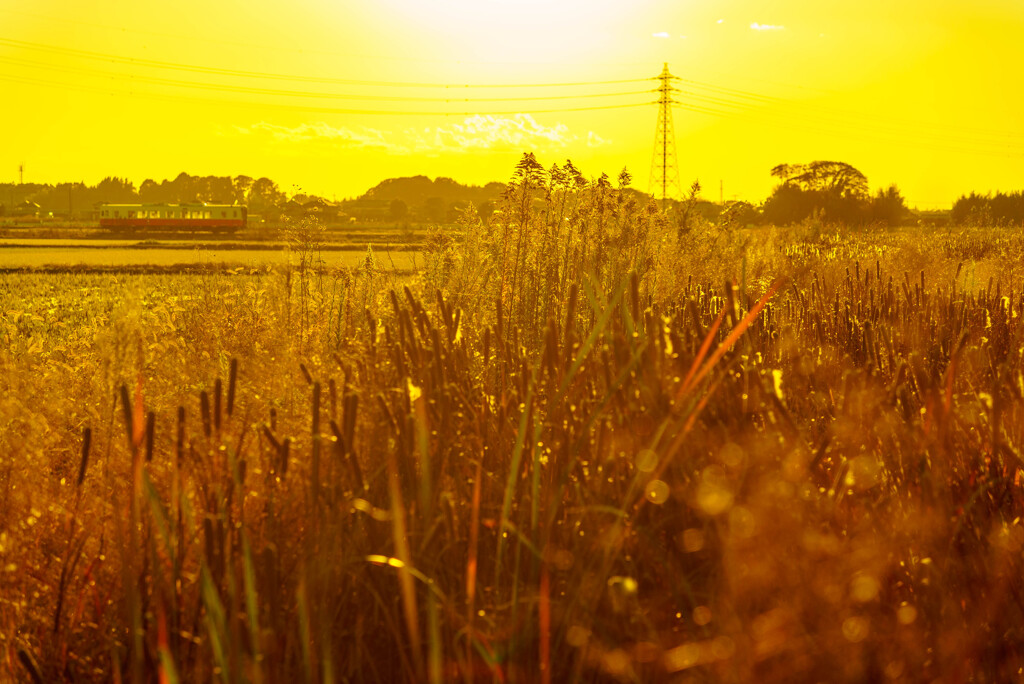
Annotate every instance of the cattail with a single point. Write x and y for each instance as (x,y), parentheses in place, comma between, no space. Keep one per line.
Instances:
(204,406)
(270,438)
(86,441)
(285,447)
(349,422)
(232,379)
(180,442)
(126,403)
(305,373)
(150,429)
(344,451)
(28,661)
(216,404)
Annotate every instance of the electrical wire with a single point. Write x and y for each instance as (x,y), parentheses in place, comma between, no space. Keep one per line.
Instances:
(849,134)
(302,93)
(847,114)
(61,85)
(217,71)
(698,97)
(869,126)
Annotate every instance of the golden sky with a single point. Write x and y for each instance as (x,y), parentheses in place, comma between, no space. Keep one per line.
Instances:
(332,96)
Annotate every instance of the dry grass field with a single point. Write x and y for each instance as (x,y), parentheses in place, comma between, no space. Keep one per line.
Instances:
(579,444)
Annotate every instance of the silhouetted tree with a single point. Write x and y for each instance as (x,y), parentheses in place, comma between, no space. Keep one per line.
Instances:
(264,194)
(888,207)
(739,214)
(112,189)
(834,190)
(241,185)
(398,210)
(824,176)
(149,191)
(435,209)
(486,209)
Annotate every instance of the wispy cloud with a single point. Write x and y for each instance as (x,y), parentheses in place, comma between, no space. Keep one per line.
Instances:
(661,34)
(362,138)
(482,132)
(495,133)
(767,27)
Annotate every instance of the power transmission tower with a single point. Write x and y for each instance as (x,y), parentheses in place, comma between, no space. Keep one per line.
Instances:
(664,165)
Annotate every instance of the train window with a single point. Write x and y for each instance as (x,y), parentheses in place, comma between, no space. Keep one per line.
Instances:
(223,214)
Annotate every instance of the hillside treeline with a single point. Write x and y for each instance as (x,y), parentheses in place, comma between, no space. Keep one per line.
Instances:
(415,198)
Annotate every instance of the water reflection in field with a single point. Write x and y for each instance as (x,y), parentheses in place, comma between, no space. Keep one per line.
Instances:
(37,257)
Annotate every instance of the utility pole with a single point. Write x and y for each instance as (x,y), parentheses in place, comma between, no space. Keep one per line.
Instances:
(664,165)
(21,174)
(721,192)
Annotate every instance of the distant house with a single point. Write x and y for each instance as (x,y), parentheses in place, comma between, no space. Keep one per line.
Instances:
(326,212)
(934,218)
(321,209)
(368,209)
(26,208)
(291,209)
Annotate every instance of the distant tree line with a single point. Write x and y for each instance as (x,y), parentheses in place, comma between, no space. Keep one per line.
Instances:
(1000,209)
(79,199)
(828,191)
(396,200)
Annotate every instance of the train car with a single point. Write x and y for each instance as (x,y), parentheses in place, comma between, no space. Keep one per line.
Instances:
(217,218)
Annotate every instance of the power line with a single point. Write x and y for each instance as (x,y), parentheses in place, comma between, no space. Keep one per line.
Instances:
(722,108)
(195,68)
(833,112)
(309,109)
(200,85)
(701,98)
(851,134)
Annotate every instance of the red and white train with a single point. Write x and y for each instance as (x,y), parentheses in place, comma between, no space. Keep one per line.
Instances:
(218,218)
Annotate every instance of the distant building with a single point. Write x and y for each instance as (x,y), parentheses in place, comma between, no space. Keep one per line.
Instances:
(936,218)
(26,208)
(326,211)
(368,209)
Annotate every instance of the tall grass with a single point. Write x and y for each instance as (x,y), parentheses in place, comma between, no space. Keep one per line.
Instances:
(581,446)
